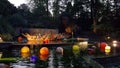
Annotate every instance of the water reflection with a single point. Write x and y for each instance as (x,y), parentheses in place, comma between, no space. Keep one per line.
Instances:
(71,57)
(43,57)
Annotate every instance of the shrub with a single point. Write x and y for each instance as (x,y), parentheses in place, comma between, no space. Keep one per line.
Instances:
(6,37)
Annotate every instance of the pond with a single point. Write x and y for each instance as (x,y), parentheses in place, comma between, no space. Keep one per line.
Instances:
(60,56)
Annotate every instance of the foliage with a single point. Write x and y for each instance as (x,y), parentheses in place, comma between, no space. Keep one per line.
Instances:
(5,27)
(6,36)
(45,14)
(7,8)
(17,20)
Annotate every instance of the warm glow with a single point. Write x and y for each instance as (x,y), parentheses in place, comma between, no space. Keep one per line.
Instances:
(102,46)
(25,52)
(115,42)
(108,37)
(107,49)
(46,40)
(1,39)
(114,45)
(83,45)
(25,49)
(43,57)
(44,51)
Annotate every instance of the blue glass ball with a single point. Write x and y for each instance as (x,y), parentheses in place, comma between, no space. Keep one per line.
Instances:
(33,58)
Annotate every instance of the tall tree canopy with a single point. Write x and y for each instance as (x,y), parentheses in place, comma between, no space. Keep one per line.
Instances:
(7,8)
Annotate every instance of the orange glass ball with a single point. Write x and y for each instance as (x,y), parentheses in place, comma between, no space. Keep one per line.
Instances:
(44,51)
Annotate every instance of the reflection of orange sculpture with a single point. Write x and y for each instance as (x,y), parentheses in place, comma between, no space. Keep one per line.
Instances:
(25,52)
(43,57)
(44,51)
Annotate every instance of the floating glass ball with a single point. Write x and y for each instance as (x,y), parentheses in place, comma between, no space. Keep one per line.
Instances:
(59,50)
(25,52)
(33,58)
(76,49)
(44,51)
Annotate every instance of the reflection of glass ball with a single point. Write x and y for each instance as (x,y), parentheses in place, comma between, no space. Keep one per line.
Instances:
(59,50)
(25,55)
(44,51)
(43,57)
(33,58)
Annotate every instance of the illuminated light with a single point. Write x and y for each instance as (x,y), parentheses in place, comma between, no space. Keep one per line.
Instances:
(1,39)
(44,51)
(25,52)
(32,42)
(114,42)
(76,49)
(43,57)
(102,47)
(59,50)
(1,54)
(83,45)
(108,37)
(41,40)
(114,45)
(25,49)
(107,49)
(46,40)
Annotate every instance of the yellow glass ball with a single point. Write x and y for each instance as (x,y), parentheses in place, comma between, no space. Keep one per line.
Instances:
(25,52)
(25,49)
(75,48)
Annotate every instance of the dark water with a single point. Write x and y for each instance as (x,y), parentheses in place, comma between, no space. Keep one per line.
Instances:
(67,59)
(54,60)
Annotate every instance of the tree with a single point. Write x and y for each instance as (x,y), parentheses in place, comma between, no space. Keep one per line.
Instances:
(7,8)
(40,7)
